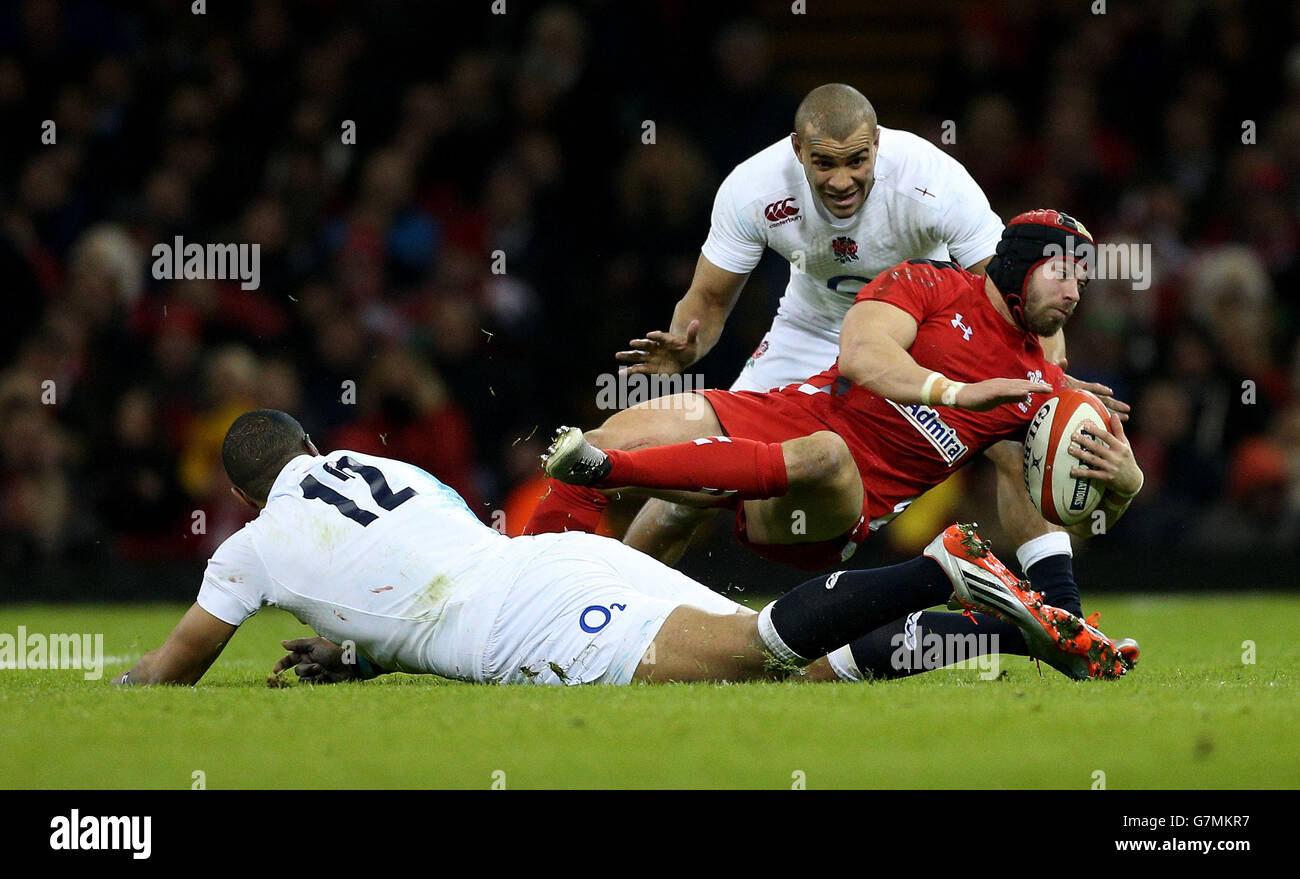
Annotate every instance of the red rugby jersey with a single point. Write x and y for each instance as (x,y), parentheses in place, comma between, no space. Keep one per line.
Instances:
(960,334)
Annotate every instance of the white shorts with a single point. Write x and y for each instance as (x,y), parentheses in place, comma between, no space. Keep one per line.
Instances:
(578,609)
(789,353)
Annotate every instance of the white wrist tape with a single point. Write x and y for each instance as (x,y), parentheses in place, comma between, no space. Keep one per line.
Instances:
(949,397)
(929,386)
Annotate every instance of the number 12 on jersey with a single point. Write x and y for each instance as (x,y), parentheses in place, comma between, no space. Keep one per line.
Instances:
(313,489)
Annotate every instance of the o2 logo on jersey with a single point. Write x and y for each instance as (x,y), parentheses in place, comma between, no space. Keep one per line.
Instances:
(858,283)
(595,617)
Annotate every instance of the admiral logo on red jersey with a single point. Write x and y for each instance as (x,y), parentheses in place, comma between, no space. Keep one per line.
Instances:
(781,211)
(945,439)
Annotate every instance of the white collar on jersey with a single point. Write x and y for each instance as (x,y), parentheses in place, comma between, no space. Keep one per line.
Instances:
(287,480)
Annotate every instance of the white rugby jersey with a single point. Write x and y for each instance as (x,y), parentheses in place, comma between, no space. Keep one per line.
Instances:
(357,547)
(923,205)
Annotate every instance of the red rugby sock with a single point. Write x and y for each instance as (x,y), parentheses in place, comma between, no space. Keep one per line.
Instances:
(567,508)
(750,469)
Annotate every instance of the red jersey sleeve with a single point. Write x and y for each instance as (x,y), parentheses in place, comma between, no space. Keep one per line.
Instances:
(919,288)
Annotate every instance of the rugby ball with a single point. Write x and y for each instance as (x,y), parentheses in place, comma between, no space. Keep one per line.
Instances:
(1061,498)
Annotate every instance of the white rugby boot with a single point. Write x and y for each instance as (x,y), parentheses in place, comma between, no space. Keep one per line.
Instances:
(574,461)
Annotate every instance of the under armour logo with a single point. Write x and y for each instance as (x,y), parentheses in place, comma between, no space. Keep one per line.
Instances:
(965,330)
(830,581)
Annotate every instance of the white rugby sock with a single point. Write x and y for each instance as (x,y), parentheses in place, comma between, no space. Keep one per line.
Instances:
(1049,544)
(773,641)
(842,664)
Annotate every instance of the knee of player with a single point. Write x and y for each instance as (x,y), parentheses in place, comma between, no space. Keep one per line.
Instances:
(605,437)
(677,515)
(622,430)
(1006,457)
(821,458)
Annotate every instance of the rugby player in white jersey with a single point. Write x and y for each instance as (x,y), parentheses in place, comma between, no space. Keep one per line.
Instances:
(394,573)
(842,199)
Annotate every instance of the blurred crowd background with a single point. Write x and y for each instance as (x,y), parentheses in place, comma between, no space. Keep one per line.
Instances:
(1174,124)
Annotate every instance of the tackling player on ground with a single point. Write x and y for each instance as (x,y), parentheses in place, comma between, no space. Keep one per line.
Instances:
(394,573)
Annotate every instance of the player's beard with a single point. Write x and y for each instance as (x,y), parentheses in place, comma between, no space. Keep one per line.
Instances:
(1048,324)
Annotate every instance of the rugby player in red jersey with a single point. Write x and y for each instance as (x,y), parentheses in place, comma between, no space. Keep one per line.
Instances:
(843,199)
(929,374)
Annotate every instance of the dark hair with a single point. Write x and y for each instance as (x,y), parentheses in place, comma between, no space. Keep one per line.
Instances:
(256,448)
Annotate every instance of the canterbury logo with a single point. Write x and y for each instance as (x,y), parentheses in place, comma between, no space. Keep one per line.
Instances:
(781,210)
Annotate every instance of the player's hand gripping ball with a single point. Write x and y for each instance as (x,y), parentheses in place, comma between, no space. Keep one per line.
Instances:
(1062,499)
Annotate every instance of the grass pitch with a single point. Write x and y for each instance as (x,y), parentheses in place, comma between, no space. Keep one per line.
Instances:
(1193,714)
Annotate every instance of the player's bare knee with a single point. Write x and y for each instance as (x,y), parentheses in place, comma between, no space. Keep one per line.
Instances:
(820,459)
(644,426)
(600,437)
(670,514)
(615,433)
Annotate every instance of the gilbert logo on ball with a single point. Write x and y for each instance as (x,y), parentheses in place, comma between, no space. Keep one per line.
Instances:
(1062,499)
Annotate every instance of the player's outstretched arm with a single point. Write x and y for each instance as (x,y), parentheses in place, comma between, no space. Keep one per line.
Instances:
(874,343)
(186,655)
(697,323)
(321,661)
